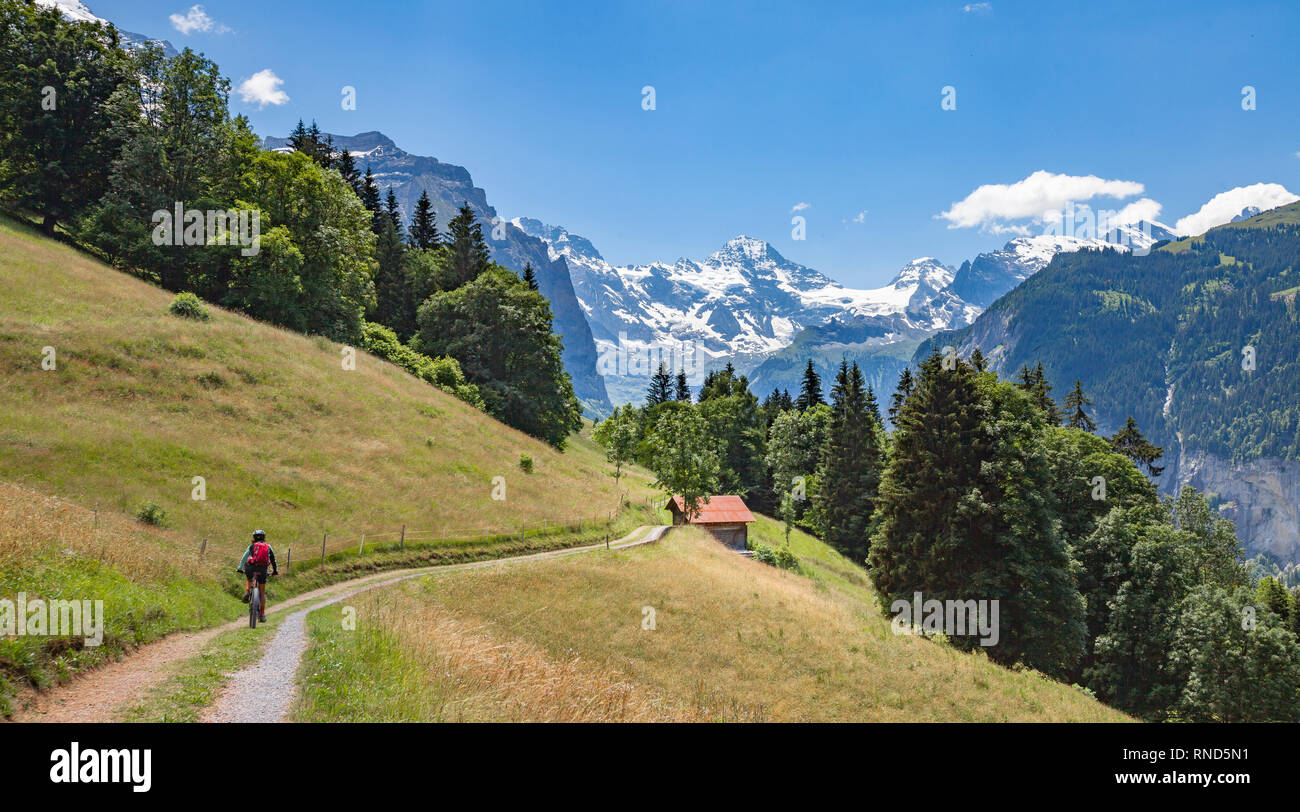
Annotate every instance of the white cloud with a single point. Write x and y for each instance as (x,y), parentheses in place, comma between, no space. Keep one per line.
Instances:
(981,7)
(196,19)
(1226,205)
(860,217)
(800,207)
(992,204)
(262,88)
(1137,211)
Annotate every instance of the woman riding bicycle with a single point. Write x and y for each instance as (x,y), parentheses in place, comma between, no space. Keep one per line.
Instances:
(253,564)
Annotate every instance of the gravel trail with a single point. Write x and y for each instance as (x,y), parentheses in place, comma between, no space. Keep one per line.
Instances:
(265,691)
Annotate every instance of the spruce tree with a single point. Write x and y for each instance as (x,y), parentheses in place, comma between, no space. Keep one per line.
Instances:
(469,252)
(1074,403)
(347,167)
(661,387)
(851,461)
(1130,442)
(370,194)
(394,304)
(683,387)
(811,394)
(529,276)
(424,224)
(961,515)
(393,211)
(899,397)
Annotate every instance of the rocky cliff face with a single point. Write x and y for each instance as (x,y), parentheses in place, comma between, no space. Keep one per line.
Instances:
(449,186)
(1262,496)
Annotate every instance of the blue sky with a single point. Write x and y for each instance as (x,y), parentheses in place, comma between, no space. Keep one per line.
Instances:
(763,106)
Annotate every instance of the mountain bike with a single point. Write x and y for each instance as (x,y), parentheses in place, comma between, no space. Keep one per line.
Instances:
(254,604)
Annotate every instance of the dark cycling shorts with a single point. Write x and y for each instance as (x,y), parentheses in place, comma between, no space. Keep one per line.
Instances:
(251,572)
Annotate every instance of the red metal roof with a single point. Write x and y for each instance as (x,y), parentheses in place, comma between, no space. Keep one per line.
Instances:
(718,510)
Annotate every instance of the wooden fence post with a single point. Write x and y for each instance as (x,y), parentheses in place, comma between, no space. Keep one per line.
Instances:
(202,548)
(288,559)
(362,548)
(401,544)
(322,548)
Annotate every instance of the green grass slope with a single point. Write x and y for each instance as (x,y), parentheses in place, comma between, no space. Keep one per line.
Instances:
(141,402)
(285,438)
(732,640)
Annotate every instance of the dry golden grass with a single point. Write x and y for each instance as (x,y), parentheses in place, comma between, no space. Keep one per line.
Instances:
(286,439)
(150,583)
(35,527)
(735,640)
(464,673)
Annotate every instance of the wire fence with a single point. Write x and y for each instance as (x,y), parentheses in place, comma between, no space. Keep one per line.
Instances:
(115,544)
(303,551)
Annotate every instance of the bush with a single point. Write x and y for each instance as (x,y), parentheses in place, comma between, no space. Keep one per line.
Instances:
(149,513)
(780,557)
(526,463)
(188,306)
(444,373)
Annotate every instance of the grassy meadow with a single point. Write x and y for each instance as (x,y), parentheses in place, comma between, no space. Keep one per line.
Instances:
(734,640)
(286,439)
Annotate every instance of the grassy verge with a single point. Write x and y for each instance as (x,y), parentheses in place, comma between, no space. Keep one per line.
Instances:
(53,550)
(195,684)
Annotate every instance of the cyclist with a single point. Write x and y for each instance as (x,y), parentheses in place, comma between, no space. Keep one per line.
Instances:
(253,564)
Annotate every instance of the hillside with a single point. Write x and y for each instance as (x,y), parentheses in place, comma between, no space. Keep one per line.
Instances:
(733,640)
(141,402)
(1197,341)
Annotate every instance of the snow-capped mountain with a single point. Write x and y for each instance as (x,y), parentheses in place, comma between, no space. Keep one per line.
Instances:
(742,304)
(77,12)
(744,299)
(982,280)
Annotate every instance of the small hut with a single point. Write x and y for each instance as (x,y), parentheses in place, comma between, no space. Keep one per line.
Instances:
(726,518)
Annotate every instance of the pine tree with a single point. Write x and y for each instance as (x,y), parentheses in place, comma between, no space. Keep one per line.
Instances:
(394,304)
(469,252)
(1074,403)
(529,276)
(873,408)
(960,504)
(900,394)
(683,387)
(1130,442)
(661,387)
(347,167)
(298,137)
(851,462)
(1035,383)
(424,224)
(393,211)
(811,394)
(977,360)
(370,193)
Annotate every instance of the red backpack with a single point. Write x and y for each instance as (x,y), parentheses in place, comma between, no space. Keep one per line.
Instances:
(261,554)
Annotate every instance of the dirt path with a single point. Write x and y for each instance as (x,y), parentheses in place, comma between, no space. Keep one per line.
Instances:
(98,695)
(264,692)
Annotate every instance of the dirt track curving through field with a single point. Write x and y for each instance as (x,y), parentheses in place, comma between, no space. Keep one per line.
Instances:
(262,692)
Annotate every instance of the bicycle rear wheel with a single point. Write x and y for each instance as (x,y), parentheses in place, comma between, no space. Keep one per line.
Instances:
(254,604)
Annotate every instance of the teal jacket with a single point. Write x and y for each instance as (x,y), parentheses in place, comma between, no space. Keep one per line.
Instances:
(249,551)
